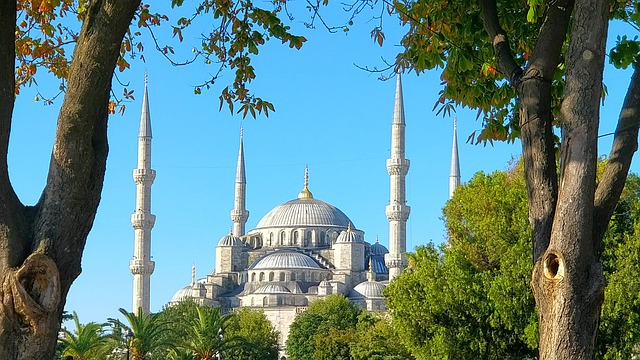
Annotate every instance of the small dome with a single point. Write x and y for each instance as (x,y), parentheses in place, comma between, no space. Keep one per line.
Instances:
(285,260)
(230,240)
(367,290)
(272,289)
(378,249)
(348,236)
(182,294)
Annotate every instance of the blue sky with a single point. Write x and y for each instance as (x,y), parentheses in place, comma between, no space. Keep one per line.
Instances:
(330,115)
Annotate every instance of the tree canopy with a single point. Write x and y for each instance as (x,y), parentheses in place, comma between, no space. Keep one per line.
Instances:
(476,301)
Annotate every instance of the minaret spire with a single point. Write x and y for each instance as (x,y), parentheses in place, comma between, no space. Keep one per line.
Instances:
(454,176)
(239,214)
(142,220)
(397,211)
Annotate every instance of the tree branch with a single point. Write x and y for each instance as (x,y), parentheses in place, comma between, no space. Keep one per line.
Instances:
(13,247)
(625,144)
(504,58)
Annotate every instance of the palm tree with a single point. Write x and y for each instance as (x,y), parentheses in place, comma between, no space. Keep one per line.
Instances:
(150,334)
(84,342)
(205,333)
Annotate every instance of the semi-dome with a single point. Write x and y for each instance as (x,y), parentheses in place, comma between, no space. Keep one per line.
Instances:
(304,212)
(285,260)
(272,289)
(230,240)
(367,290)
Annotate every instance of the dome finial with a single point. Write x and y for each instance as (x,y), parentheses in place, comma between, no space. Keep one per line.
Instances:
(193,274)
(349,227)
(305,193)
(377,240)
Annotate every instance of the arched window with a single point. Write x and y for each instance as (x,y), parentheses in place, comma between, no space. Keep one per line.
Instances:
(303,277)
(261,276)
(282,238)
(253,277)
(295,238)
(271,276)
(270,239)
(293,276)
(265,301)
(281,276)
(322,239)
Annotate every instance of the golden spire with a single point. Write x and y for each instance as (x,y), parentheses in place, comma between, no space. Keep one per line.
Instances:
(349,227)
(305,193)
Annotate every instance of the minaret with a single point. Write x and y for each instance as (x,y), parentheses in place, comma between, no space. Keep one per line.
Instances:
(239,214)
(454,176)
(397,210)
(141,266)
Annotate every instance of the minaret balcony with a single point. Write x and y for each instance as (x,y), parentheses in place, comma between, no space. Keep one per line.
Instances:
(396,260)
(144,176)
(141,220)
(239,216)
(139,267)
(398,212)
(397,166)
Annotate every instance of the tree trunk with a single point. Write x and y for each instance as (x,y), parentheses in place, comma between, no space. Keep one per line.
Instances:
(41,246)
(568,216)
(567,279)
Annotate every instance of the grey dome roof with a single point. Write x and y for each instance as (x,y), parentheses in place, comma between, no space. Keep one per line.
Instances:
(272,289)
(230,240)
(304,212)
(182,294)
(285,260)
(367,290)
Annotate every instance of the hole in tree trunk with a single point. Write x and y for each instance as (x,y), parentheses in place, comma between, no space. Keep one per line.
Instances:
(553,266)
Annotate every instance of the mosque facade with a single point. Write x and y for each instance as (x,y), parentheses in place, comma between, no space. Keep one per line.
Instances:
(305,249)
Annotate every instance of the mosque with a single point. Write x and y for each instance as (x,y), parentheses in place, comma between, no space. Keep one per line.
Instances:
(300,251)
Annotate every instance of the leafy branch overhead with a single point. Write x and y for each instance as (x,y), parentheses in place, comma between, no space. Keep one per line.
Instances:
(48,29)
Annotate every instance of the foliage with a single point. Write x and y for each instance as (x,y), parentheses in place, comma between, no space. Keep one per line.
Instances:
(206,333)
(334,344)
(377,339)
(84,342)
(451,36)
(260,339)
(333,312)
(48,31)
(471,298)
(148,334)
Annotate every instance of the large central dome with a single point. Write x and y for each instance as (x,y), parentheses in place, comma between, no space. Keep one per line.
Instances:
(304,212)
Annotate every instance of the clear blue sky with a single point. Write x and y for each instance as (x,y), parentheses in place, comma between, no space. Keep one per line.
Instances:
(329,115)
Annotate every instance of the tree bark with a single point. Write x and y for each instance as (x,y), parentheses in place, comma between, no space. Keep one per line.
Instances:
(41,246)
